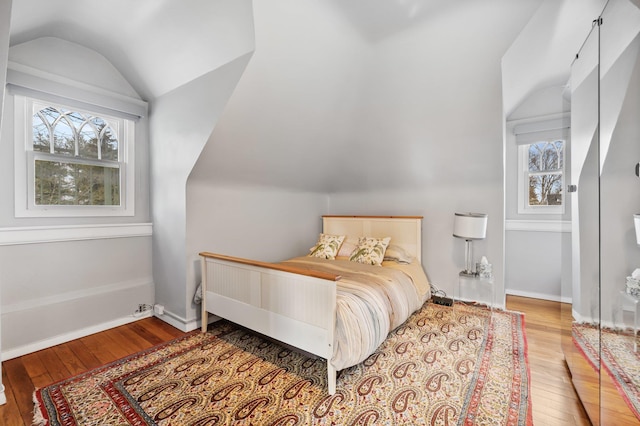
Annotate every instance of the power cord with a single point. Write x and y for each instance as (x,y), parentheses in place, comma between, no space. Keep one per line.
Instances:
(435,291)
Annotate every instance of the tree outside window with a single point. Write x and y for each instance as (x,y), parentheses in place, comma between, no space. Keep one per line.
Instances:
(545,173)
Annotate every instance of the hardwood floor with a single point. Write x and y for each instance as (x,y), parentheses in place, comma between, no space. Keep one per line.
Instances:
(22,375)
(554,400)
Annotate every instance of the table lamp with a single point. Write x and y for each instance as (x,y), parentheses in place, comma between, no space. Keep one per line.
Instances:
(470,226)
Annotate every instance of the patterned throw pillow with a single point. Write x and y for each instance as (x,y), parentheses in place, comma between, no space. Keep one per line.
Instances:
(327,246)
(370,250)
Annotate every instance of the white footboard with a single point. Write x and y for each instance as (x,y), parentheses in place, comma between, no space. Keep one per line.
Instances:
(294,306)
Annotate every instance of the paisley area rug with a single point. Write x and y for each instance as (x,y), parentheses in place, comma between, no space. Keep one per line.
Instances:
(439,368)
(618,356)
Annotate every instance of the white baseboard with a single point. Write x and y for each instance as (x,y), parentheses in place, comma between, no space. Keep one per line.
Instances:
(183,324)
(67,337)
(534,295)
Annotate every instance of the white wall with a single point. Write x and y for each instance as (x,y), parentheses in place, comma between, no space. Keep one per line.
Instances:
(430,117)
(181,122)
(410,124)
(62,278)
(267,224)
(442,254)
(537,246)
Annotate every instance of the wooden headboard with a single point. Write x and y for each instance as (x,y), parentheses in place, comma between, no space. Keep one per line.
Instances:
(405,231)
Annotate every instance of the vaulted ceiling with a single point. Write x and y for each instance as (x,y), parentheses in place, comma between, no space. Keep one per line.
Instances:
(385,80)
(160,44)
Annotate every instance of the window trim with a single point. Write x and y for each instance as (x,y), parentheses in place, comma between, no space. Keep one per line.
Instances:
(24,156)
(523,178)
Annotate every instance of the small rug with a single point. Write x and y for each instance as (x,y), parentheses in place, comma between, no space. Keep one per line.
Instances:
(619,359)
(436,369)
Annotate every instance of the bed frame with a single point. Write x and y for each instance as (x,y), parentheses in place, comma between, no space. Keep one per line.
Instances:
(293,305)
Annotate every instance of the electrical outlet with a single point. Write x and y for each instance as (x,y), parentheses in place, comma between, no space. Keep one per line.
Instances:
(142,308)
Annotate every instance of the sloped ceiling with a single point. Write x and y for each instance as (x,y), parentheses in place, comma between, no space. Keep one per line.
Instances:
(386,81)
(157,45)
(328,106)
(542,54)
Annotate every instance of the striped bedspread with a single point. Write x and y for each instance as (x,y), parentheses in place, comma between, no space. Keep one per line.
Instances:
(371,302)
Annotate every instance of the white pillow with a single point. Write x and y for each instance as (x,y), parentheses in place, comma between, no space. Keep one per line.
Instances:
(327,246)
(348,246)
(397,254)
(370,250)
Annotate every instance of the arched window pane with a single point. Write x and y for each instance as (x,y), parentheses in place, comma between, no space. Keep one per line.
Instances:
(108,140)
(64,138)
(40,134)
(535,157)
(560,147)
(50,114)
(87,142)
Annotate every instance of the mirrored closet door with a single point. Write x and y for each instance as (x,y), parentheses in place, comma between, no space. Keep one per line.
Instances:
(602,353)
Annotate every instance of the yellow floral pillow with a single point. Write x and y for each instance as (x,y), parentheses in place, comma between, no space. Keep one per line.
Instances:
(370,250)
(327,246)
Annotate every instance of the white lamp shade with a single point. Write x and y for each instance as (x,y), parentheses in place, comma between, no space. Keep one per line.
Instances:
(636,222)
(470,226)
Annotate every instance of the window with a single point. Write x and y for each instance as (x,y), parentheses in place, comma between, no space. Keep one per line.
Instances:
(72,161)
(542,176)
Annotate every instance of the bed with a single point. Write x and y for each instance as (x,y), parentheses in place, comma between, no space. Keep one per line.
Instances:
(339,308)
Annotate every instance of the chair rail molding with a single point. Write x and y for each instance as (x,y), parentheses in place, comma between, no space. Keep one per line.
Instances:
(48,234)
(537,225)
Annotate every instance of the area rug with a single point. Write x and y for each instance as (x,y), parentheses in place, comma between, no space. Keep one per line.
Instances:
(439,368)
(619,359)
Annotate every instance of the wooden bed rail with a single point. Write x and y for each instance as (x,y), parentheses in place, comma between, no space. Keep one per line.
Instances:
(275,266)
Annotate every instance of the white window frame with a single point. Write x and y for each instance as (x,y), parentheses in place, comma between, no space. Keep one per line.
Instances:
(523,177)
(24,163)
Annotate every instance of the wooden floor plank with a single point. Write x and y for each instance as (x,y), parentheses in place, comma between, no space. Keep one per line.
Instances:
(22,388)
(88,359)
(69,359)
(94,343)
(56,368)
(11,415)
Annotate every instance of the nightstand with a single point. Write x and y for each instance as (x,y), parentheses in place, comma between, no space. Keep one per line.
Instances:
(474,288)
(625,298)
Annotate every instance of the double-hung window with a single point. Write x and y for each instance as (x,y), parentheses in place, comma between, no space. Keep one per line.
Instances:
(541,167)
(72,161)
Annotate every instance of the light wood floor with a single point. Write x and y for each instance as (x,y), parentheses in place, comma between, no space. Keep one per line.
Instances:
(553,397)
